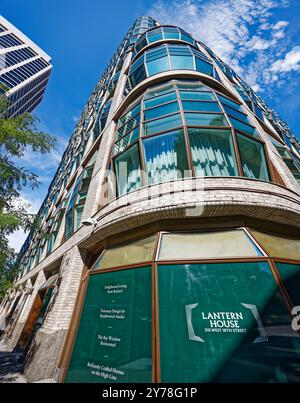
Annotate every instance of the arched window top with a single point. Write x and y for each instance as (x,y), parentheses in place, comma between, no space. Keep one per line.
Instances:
(166,57)
(163,33)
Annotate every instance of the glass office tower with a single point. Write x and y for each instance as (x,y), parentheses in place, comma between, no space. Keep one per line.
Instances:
(172,251)
(24,70)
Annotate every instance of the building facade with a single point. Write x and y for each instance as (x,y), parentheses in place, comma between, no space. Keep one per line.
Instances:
(169,241)
(24,70)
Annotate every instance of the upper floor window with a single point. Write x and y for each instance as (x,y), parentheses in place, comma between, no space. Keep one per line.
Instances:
(77,201)
(9,40)
(292,162)
(101,119)
(169,57)
(163,33)
(181,129)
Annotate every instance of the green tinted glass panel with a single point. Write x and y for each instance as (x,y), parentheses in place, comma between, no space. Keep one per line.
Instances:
(187,38)
(242,126)
(201,106)
(129,126)
(134,111)
(43,312)
(191,86)
(185,62)
(296,176)
(157,66)
(165,157)
(113,342)
(49,245)
(160,100)
(81,196)
(69,224)
(128,173)
(77,216)
(126,141)
(162,110)
(236,113)
(213,152)
(253,158)
(282,151)
(201,119)
(159,91)
(159,125)
(197,96)
(204,67)
(171,33)
(153,37)
(224,323)
(229,102)
(291,165)
(290,274)
(137,71)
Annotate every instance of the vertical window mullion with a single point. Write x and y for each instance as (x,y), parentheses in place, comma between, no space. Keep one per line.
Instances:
(233,136)
(194,61)
(144,178)
(145,64)
(185,133)
(169,57)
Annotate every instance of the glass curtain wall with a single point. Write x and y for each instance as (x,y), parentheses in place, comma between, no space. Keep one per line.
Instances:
(163,33)
(167,57)
(184,128)
(77,200)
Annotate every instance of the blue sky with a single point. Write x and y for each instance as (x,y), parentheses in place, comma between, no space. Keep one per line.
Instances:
(259,38)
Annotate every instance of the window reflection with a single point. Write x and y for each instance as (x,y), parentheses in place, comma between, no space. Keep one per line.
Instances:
(128,173)
(253,158)
(169,57)
(165,157)
(161,33)
(213,152)
(185,114)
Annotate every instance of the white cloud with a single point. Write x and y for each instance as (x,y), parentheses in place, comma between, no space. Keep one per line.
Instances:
(280,24)
(291,62)
(16,239)
(257,43)
(44,162)
(32,204)
(243,33)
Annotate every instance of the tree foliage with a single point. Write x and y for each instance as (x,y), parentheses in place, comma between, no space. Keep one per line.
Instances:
(16,136)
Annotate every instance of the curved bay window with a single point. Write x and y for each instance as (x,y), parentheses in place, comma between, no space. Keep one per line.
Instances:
(169,57)
(209,306)
(163,33)
(182,129)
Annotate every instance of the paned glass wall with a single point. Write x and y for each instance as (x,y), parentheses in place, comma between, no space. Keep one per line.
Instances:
(77,201)
(169,57)
(163,33)
(184,128)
